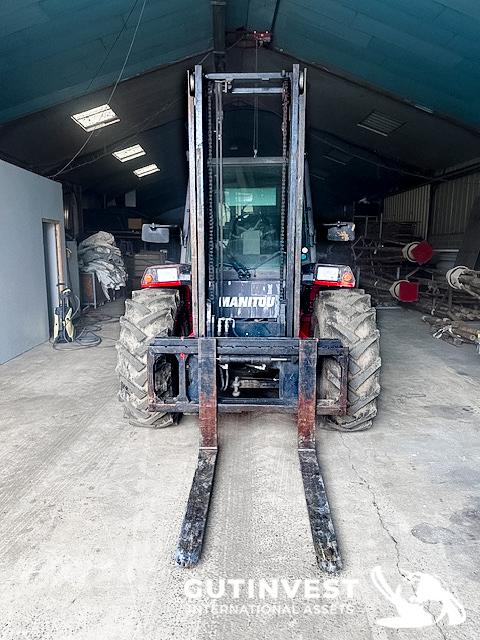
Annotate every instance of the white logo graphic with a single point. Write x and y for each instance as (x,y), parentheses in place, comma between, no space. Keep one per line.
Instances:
(265,302)
(412,612)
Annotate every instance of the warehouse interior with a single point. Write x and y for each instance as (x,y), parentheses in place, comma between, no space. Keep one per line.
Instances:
(392,143)
(421,133)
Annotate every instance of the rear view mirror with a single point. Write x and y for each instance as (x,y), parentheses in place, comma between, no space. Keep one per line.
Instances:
(341,232)
(155,233)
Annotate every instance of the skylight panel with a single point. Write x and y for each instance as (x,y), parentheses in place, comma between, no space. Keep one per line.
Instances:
(147,170)
(96,118)
(129,153)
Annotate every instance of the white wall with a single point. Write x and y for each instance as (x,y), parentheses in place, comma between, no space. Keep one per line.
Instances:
(25,199)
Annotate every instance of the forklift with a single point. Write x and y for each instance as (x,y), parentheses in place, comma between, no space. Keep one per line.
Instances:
(249,318)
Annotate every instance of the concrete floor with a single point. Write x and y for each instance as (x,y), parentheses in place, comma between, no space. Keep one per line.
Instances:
(92,507)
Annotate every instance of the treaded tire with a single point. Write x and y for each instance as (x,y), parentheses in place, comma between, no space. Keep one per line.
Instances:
(150,313)
(347,314)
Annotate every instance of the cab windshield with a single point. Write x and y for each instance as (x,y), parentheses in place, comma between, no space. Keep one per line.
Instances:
(249,217)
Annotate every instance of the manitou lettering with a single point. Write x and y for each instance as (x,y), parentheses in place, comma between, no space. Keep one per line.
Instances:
(264,302)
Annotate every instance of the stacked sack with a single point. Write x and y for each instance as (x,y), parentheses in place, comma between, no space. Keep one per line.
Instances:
(98,254)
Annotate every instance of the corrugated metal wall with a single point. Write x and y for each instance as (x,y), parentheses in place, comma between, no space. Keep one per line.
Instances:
(452,202)
(409,206)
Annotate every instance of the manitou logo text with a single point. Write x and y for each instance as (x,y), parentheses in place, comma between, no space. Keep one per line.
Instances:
(237,302)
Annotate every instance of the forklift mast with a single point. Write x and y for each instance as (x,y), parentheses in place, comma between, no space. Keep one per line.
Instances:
(250,230)
(246,211)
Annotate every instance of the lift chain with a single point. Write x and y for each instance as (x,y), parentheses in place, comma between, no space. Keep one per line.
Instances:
(219,189)
(211,217)
(284,186)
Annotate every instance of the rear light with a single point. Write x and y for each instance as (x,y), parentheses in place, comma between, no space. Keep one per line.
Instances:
(329,275)
(166,276)
(347,277)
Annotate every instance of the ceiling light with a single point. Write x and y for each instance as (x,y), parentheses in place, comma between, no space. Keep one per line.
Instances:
(145,171)
(96,118)
(129,153)
(380,123)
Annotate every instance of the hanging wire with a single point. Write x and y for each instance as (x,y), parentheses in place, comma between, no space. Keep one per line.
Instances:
(135,130)
(112,93)
(119,34)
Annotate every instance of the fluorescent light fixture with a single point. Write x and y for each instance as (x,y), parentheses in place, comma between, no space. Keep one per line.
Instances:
(380,123)
(96,118)
(145,171)
(129,153)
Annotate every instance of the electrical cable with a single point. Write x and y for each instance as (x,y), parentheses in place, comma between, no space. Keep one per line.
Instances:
(84,340)
(135,130)
(102,64)
(60,171)
(86,327)
(87,336)
(69,279)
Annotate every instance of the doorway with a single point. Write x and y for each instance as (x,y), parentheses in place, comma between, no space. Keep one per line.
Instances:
(53,266)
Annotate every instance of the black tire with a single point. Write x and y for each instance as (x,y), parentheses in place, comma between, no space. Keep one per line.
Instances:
(150,313)
(347,314)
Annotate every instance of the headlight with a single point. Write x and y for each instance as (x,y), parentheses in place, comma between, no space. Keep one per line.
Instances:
(166,276)
(329,275)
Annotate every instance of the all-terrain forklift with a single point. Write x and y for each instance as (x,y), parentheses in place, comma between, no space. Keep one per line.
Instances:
(249,318)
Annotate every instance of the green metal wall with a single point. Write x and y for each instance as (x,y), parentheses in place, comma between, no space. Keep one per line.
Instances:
(426,51)
(50,50)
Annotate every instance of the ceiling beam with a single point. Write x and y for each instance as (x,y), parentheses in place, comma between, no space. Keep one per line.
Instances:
(218,19)
(366,155)
(107,149)
(364,84)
